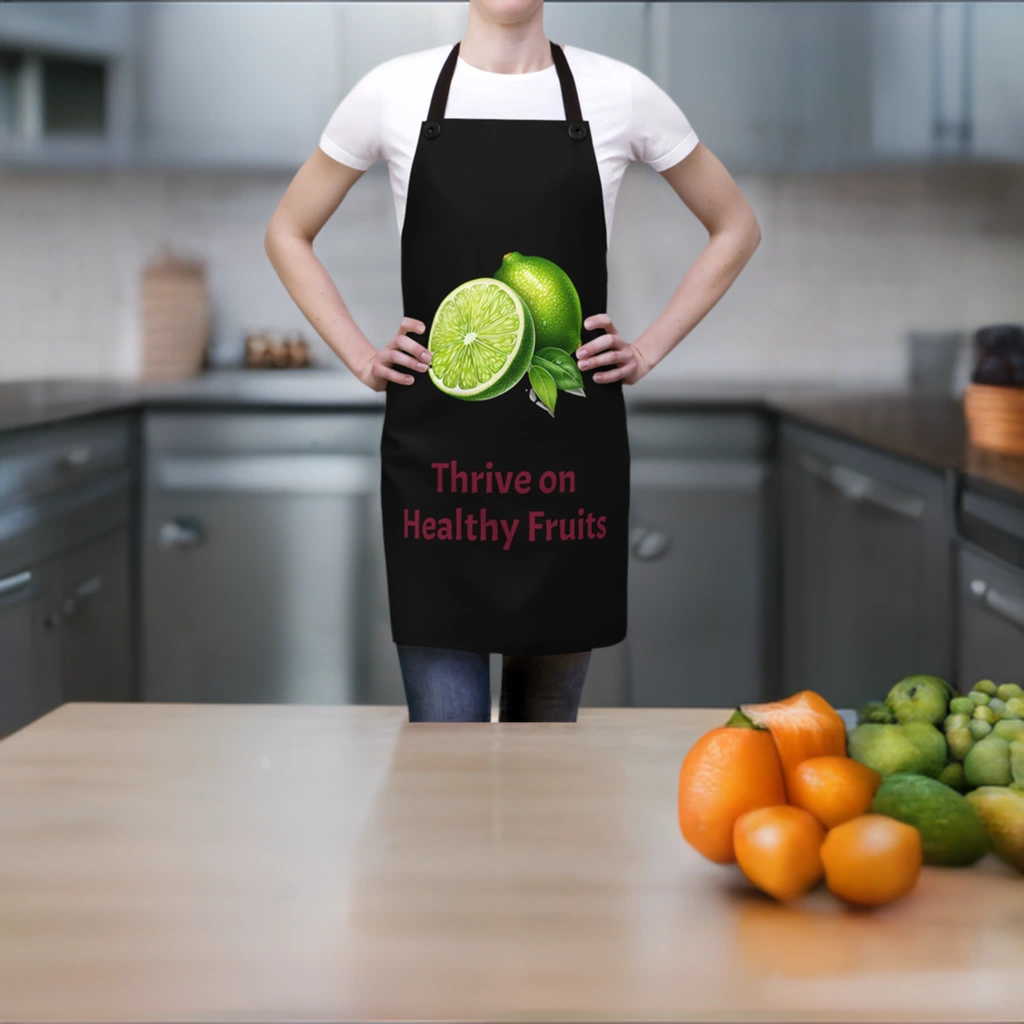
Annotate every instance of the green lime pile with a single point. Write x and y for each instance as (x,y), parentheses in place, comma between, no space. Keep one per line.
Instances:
(953,765)
(985,733)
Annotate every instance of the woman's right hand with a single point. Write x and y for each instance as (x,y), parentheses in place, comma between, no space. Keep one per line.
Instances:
(400,351)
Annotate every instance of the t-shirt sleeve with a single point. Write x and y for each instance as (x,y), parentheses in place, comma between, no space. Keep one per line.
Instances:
(353,134)
(660,133)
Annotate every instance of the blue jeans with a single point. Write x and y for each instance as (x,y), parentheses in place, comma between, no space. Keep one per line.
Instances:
(443,685)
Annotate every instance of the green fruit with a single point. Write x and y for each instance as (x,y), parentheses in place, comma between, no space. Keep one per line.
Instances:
(1002,813)
(954,722)
(914,747)
(961,706)
(1015,707)
(988,763)
(551,296)
(960,742)
(481,340)
(979,729)
(997,707)
(1009,690)
(985,714)
(1009,729)
(875,711)
(1017,761)
(985,686)
(951,831)
(979,698)
(953,776)
(919,699)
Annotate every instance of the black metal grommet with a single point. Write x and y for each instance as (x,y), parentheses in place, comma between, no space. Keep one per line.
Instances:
(431,129)
(577,130)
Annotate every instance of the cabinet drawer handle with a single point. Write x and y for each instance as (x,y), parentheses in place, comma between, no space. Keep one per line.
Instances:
(860,488)
(81,593)
(648,545)
(12,584)
(1008,608)
(76,458)
(181,533)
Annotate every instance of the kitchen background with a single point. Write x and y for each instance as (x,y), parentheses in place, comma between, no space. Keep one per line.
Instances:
(806,511)
(880,145)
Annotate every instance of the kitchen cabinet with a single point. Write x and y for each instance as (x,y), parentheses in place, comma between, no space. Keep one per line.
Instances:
(65,575)
(263,577)
(996,83)
(235,85)
(990,619)
(702,559)
(67,87)
(867,577)
(990,587)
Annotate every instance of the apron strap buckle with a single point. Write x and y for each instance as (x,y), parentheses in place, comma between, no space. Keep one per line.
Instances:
(431,129)
(577,130)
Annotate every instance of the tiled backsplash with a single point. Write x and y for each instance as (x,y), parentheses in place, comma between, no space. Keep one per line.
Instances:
(850,263)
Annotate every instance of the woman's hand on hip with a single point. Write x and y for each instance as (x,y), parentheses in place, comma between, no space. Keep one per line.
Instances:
(610,354)
(400,351)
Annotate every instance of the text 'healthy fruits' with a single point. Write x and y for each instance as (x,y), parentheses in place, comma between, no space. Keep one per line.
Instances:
(481,340)
(951,832)
(872,859)
(551,296)
(778,849)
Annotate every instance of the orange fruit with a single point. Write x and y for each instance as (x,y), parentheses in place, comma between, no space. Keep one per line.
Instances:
(778,850)
(833,789)
(872,859)
(727,772)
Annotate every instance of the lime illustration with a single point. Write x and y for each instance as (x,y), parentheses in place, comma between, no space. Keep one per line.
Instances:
(552,297)
(481,340)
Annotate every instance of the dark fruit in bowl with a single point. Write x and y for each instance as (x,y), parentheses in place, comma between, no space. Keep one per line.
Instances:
(996,368)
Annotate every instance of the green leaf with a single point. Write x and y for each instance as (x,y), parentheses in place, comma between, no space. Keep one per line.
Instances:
(544,384)
(561,366)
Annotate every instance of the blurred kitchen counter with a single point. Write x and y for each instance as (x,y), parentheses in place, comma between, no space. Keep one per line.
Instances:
(271,863)
(925,429)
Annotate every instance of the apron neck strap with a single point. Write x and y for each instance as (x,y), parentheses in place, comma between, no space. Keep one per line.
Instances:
(570,98)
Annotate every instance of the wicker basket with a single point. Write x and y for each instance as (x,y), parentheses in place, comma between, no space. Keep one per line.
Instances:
(995,417)
(175,318)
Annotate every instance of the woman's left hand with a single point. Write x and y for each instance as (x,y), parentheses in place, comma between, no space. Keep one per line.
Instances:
(623,360)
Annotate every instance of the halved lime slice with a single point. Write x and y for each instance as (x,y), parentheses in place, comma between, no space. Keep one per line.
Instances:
(481,340)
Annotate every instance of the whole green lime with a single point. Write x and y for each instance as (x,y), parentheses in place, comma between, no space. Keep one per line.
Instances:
(550,295)
(915,747)
(988,763)
(952,834)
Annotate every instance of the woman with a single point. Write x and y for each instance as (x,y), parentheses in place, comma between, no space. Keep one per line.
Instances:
(505,461)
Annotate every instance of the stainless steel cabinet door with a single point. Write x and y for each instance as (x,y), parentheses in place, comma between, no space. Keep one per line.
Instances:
(29,664)
(990,612)
(866,569)
(255,570)
(698,557)
(94,621)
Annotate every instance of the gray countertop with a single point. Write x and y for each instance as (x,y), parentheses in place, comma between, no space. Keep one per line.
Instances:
(927,430)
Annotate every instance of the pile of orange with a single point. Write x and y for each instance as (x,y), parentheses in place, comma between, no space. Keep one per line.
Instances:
(773,791)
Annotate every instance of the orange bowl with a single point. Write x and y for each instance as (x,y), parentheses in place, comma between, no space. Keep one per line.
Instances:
(995,417)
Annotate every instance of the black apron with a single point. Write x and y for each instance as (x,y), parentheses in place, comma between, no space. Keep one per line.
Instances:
(505,527)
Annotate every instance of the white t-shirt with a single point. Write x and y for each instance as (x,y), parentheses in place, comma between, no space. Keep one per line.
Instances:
(631,118)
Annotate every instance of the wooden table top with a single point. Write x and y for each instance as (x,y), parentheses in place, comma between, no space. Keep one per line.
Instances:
(182,862)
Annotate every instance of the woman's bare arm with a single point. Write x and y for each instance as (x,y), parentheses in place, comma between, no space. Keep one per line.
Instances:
(315,192)
(708,190)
